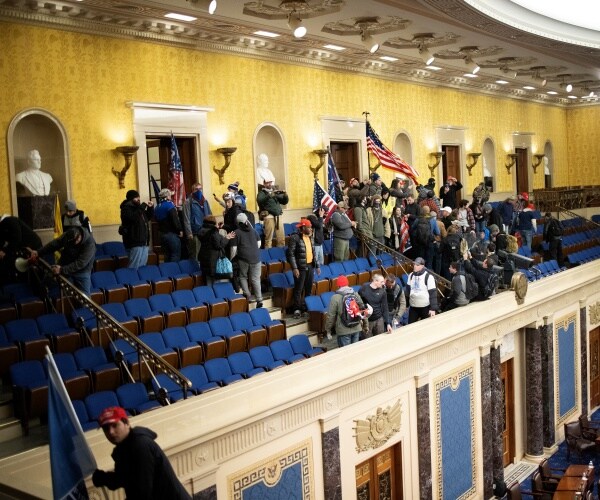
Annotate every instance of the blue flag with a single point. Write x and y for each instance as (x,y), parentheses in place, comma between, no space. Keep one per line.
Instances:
(71,459)
(155,187)
(322,198)
(333,179)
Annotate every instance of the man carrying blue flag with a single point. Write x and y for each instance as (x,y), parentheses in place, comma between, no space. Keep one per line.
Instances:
(141,467)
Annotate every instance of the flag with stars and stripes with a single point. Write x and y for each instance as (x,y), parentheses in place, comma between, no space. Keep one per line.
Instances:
(388,158)
(321,197)
(404,236)
(176,185)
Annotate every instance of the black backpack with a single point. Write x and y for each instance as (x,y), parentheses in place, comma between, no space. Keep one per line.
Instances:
(471,286)
(490,286)
(422,233)
(351,314)
(452,247)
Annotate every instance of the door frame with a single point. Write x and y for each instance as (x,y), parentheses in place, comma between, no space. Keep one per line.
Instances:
(507,372)
(447,135)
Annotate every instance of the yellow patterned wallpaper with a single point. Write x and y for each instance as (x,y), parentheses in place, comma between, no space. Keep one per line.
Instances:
(86,80)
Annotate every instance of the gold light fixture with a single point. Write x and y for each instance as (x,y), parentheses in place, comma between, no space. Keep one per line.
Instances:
(127,152)
(512,159)
(537,162)
(475,159)
(322,154)
(226,152)
(438,155)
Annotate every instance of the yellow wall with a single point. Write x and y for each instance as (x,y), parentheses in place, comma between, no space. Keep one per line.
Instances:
(85,81)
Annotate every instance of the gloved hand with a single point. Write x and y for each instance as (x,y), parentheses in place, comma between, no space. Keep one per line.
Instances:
(98,477)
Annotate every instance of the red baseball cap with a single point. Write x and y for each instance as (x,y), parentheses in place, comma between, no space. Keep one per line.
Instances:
(111,415)
(342,281)
(303,223)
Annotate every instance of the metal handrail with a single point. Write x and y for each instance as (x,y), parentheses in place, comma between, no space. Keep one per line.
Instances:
(102,317)
(442,283)
(577,216)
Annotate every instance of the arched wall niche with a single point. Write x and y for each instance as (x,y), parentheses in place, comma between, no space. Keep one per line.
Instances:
(268,139)
(38,129)
(403,147)
(488,163)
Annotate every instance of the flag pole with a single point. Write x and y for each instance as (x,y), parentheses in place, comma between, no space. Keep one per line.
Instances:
(366,113)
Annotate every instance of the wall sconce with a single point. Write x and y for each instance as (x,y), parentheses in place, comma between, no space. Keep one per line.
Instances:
(374,168)
(537,162)
(322,154)
(475,159)
(438,155)
(512,159)
(226,152)
(127,152)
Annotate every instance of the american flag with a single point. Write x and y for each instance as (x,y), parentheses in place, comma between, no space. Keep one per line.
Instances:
(388,158)
(321,197)
(404,244)
(176,185)
(333,178)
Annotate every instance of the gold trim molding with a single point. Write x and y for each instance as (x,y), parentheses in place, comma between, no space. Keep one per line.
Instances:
(594,313)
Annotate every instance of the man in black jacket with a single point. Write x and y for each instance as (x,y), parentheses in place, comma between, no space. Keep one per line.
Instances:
(553,232)
(15,238)
(141,467)
(374,294)
(246,252)
(134,228)
(300,254)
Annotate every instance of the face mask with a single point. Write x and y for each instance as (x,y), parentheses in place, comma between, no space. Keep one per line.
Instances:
(198,195)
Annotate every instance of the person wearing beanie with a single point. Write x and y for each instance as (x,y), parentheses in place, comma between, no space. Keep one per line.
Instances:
(195,208)
(316,219)
(245,251)
(345,294)
(141,466)
(74,218)
(134,229)
(169,227)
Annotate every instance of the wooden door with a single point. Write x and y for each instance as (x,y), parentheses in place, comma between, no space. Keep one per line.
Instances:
(380,477)
(508,429)
(345,157)
(522,172)
(451,168)
(594,367)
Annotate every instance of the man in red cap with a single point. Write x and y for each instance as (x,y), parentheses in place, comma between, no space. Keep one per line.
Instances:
(345,314)
(301,256)
(141,467)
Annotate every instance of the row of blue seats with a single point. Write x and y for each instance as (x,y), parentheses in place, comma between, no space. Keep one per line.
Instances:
(30,380)
(113,254)
(542,270)
(587,255)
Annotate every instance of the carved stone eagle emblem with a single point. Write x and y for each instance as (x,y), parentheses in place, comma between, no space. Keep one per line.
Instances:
(377,429)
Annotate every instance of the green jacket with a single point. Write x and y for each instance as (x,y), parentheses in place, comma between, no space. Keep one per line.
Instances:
(271,202)
(334,313)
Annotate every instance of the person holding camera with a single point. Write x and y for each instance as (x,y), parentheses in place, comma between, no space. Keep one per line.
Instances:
(448,192)
(269,204)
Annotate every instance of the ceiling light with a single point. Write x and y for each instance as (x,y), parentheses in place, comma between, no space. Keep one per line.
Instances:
(268,34)
(388,58)
(434,68)
(426,56)
(572,96)
(333,47)
(472,65)
(208,5)
(529,87)
(295,24)
(470,75)
(510,73)
(369,42)
(592,94)
(569,87)
(502,82)
(180,17)
(552,92)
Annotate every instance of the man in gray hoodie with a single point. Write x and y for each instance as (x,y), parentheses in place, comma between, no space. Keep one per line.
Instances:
(345,335)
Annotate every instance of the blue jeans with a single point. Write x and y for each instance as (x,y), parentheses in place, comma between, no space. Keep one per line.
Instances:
(138,256)
(526,237)
(83,281)
(318,257)
(171,247)
(351,338)
(480,226)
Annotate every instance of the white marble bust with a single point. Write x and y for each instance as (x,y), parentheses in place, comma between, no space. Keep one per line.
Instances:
(33,179)
(263,172)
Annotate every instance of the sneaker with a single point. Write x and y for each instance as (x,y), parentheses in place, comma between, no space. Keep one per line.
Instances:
(297,314)
(259,305)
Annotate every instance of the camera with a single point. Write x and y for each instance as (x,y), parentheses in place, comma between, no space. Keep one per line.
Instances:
(512,262)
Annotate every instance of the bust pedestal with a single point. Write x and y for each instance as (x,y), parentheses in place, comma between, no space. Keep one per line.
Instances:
(36,211)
